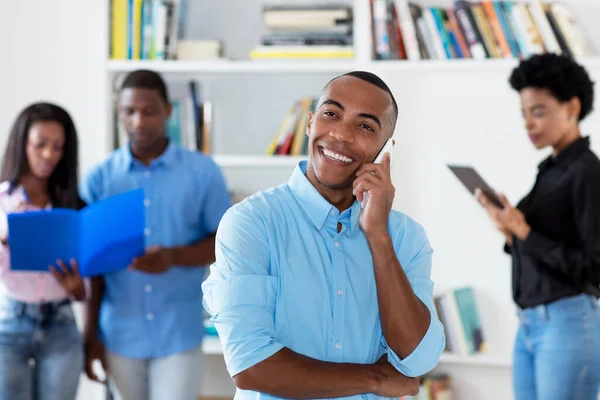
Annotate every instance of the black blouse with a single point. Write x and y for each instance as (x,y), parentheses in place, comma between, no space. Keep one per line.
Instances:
(561,255)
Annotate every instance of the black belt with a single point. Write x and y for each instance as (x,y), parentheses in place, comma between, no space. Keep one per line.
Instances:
(49,310)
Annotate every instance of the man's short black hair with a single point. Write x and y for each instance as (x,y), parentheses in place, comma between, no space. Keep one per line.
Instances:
(146,79)
(374,80)
(559,74)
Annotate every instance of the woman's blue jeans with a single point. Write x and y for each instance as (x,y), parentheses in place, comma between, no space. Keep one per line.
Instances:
(41,351)
(557,351)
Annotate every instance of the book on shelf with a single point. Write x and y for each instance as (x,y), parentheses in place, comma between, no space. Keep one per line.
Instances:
(403,30)
(458,312)
(153,30)
(190,123)
(144,29)
(305,32)
(291,139)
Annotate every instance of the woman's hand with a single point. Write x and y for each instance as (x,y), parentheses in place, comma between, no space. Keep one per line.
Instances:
(508,220)
(69,279)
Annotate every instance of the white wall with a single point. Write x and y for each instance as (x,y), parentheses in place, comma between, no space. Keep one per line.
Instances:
(54,51)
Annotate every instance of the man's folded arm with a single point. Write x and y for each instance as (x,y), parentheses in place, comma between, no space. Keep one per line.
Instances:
(240,295)
(427,353)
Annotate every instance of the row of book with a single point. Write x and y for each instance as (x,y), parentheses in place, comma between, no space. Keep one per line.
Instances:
(404,30)
(458,312)
(291,138)
(190,123)
(305,31)
(144,29)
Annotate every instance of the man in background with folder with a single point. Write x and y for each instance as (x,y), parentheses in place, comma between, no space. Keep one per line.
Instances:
(145,324)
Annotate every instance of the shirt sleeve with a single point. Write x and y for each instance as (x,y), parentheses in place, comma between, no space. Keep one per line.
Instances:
(240,294)
(582,262)
(217,198)
(427,354)
(4,255)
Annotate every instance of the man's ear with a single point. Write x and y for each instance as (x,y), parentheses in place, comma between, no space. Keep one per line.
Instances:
(309,123)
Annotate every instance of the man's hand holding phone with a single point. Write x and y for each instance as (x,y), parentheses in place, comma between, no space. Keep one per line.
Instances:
(374,189)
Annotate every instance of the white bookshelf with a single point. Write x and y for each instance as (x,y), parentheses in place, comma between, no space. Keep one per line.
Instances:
(227,66)
(303,66)
(476,360)
(232,160)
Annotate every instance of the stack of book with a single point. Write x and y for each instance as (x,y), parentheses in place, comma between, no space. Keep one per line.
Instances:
(306,32)
(404,30)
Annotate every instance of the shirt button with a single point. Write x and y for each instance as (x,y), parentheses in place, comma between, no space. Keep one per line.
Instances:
(148,288)
(147,174)
(146,202)
(338,346)
(147,231)
(332,213)
(339,292)
(337,244)
(149,316)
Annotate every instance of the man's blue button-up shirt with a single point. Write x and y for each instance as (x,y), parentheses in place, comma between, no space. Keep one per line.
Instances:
(285,277)
(145,315)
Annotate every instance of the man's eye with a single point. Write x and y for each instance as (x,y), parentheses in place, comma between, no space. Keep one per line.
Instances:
(329,113)
(367,127)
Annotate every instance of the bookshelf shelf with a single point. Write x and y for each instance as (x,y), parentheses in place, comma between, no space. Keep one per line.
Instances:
(483,360)
(256,161)
(312,66)
(211,345)
(227,66)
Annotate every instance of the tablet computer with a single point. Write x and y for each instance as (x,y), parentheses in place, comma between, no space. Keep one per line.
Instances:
(472,180)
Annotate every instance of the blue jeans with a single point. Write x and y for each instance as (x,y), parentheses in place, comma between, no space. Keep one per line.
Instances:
(41,351)
(557,351)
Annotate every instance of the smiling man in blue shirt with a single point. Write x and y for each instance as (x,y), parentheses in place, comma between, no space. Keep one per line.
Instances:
(145,324)
(313,296)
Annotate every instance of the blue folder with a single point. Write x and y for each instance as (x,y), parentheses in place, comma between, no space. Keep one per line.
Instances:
(103,237)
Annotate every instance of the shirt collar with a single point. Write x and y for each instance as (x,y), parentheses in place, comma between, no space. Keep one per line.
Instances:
(568,154)
(315,206)
(167,158)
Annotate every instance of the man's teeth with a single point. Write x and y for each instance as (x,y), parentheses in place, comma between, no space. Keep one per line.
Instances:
(336,156)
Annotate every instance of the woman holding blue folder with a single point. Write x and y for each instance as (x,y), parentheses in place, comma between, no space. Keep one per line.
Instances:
(37,324)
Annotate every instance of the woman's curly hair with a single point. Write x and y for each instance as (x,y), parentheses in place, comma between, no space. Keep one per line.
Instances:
(559,74)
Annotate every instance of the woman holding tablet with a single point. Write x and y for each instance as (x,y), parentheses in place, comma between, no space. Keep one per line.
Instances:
(553,236)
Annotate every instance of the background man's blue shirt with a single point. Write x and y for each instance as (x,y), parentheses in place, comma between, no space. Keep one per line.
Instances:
(284,277)
(144,315)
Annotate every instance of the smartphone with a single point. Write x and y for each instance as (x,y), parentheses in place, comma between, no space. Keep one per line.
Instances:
(387,148)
